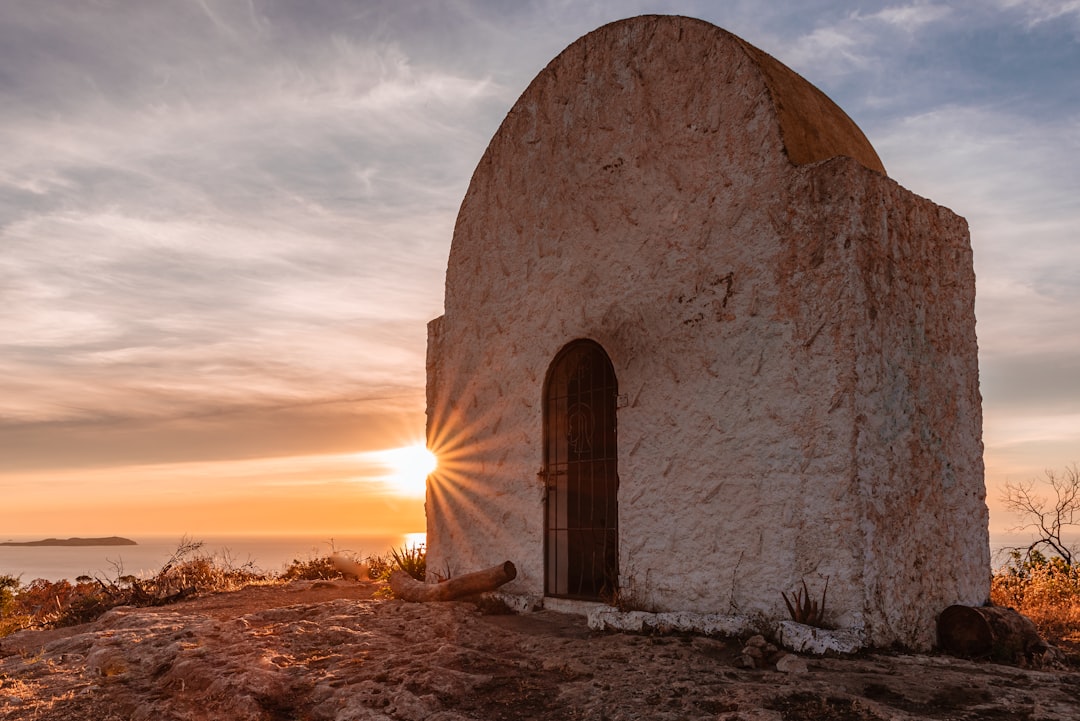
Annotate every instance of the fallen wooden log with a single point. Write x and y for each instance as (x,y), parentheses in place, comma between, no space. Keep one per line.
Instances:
(408,588)
(989,632)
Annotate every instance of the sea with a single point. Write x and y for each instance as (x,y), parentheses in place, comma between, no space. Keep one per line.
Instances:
(266,553)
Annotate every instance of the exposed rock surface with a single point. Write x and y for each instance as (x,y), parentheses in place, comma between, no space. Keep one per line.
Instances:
(329,651)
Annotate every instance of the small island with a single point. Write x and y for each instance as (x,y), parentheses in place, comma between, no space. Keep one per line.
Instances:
(110,541)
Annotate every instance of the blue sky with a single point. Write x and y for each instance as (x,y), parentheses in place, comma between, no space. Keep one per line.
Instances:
(224,225)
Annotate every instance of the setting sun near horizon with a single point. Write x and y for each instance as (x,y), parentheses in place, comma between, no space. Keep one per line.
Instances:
(409,468)
(377,491)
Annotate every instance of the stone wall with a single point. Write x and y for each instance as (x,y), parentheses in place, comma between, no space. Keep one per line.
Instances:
(795,341)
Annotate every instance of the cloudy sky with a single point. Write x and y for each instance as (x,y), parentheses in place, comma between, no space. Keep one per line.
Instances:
(224,226)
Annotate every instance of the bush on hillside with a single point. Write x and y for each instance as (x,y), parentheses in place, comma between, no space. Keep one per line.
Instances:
(190,571)
(1044,588)
(52,604)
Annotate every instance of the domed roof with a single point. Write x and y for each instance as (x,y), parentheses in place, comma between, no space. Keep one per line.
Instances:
(643,123)
(813,126)
(654,72)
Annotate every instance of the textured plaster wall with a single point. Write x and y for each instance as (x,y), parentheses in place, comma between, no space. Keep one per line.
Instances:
(907,299)
(795,343)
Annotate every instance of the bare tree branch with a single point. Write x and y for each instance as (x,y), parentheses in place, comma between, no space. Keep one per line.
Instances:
(1049,520)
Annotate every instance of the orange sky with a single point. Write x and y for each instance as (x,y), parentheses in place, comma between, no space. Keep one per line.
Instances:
(320,494)
(307,469)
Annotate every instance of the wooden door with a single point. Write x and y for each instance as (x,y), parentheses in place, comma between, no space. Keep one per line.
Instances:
(581,472)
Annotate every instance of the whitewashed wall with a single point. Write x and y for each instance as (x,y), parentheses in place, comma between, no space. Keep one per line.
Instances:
(796,341)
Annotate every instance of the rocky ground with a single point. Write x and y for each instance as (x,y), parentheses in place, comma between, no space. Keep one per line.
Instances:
(328,650)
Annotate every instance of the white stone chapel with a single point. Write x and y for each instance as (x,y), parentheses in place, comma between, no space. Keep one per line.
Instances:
(698,349)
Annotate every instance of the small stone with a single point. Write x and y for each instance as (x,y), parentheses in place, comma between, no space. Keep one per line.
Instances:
(746,661)
(791,664)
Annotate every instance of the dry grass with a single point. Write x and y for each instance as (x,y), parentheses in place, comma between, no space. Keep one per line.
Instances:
(1046,590)
(190,571)
(52,604)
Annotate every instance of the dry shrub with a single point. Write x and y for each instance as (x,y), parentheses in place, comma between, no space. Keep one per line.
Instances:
(51,604)
(323,568)
(313,569)
(208,573)
(1046,590)
(380,567)
(44,604)
(190,571)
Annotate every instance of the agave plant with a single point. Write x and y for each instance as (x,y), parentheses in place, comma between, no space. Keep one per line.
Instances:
(805,610)
(411,560)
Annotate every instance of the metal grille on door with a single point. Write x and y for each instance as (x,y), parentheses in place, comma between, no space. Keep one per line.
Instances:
(581,474)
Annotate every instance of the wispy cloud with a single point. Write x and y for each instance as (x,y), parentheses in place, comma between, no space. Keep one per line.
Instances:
(1013,177)
(846,44)
(1037,12)
(830,51)
(223,226)
(245,214)
(912,17)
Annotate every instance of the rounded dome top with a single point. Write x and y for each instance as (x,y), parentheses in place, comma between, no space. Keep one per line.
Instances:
(642,62)
(655,127)
(813,126)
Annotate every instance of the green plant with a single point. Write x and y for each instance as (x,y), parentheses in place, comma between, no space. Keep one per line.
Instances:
(805,610)
(412,561)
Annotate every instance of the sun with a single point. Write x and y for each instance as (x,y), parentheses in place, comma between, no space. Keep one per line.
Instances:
(409,468)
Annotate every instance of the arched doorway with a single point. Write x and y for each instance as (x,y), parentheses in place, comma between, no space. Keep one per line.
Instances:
(581,474)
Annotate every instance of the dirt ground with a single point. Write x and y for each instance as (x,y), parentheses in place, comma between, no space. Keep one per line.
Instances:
(329,650)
